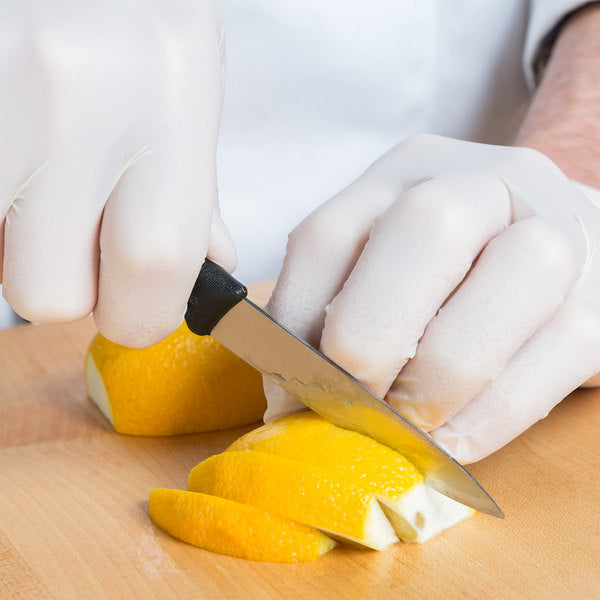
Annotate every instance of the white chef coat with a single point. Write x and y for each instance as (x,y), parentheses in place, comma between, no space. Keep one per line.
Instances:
(316,91)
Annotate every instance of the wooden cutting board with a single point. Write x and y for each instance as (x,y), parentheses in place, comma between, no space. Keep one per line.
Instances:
(74,523)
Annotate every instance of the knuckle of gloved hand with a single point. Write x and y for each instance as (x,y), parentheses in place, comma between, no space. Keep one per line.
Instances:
(144,252)
(556,248)
(50,302)
(321,231)
(440,215)
(439,151)
(418,144)
(406,152)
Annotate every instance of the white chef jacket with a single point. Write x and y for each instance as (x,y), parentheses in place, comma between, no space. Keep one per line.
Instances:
(316,91)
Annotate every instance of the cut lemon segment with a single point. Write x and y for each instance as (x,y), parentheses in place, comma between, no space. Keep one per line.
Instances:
(416,511)
(184,384)
(296,491)
(228,527)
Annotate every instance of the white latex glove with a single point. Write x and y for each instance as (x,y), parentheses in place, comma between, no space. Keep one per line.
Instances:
(474,306)
(109,116)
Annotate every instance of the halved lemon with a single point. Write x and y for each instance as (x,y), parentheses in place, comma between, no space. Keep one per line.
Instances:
(416,511)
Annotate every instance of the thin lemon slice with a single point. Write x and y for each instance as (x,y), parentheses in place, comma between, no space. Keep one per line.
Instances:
(184,384)
(416,511)
(227,527)
(296,491)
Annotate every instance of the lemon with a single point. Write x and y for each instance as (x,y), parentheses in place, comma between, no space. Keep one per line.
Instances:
(228,527)
(416,511)
(184,384)
(302,471)
(296,491)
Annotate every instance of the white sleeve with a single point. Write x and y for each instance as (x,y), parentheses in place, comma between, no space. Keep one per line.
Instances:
(544,17)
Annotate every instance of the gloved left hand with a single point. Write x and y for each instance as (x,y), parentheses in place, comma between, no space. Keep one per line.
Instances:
(109,114)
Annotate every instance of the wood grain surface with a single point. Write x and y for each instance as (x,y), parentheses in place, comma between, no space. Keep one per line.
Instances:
(74,522)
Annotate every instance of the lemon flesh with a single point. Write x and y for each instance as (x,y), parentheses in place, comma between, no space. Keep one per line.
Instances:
(296,491)
(416,511)
(227,527)
(184,384)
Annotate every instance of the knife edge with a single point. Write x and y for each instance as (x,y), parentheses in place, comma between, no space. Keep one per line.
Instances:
(218,306)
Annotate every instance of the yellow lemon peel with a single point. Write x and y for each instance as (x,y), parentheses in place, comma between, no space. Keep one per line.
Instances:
(296,491)
(184,384)
(416,511)
(235,529)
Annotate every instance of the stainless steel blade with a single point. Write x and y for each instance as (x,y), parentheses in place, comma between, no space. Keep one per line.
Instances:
(330,391)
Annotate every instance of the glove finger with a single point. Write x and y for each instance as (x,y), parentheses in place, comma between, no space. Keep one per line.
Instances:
(11,187)
(51,243)
(419,250)
(321,252)
(516,286)
(551,364)
(154,238)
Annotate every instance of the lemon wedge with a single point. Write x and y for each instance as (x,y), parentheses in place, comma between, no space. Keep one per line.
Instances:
(296,491)
(184,384)
(228,527)
(416,511)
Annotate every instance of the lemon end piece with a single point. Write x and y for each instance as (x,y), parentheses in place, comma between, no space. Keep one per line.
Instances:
(415,511)
(184,384)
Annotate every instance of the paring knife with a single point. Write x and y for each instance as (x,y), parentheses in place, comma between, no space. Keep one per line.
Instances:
(218,306)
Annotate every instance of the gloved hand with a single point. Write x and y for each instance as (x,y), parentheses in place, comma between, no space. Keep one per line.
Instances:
(459,281)
(109,117)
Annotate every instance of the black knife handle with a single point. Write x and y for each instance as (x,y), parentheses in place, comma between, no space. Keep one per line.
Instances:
(215,293)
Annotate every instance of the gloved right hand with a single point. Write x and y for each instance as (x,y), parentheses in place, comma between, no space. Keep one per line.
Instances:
(109,117)
(459,281)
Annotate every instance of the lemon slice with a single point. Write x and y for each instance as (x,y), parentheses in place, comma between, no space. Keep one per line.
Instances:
(416,511)
(296,491)
(227,527)
(184,384)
